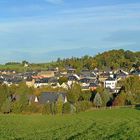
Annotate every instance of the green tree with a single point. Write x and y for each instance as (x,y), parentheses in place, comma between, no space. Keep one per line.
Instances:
(66,108)
(21,105)
(6,107)
(16,107)
(83,106)
(24,89)
(4,93)
(62,80)
(106,96)
(47,109)
(33,108)
(74,93)
(132,89)
(53,108)
(120,100)
(59,105)
(98,100)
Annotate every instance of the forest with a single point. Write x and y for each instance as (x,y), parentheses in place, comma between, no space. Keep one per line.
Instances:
(123,59)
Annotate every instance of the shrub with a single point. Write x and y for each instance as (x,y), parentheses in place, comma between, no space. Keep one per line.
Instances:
(83,106)
(53,108)
(62,80)
(66,108)
(4,93)
(21,105)
(6,106)
(59,105)
(120,100)
(98,100)
(74,93)
(47,109)
(34,108)
(17,107)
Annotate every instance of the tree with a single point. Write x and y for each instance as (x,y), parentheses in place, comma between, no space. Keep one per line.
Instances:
(47,109)
(83,106)
(24,101)
(12,89)
(62,80)
(86,95)
(21,105)
(106,97)
(53,108)
(59,105)
(120,100)
(74,93)
(66,108)
(6,107)
(131,89)
(33,108)
(4,93)
(98,100)
(24,89)
(25,62)
(16,107)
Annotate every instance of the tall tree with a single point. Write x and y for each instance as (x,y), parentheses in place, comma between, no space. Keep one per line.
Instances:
(98,100)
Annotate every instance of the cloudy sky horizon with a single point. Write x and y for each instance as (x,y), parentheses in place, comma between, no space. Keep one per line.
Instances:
(43,30)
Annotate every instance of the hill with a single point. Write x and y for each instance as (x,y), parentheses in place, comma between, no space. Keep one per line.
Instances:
(109,59)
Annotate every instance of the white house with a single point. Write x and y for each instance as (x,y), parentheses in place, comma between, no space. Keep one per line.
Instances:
(110,83)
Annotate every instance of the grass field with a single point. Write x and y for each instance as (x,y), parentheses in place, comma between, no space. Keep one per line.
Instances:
(115,124)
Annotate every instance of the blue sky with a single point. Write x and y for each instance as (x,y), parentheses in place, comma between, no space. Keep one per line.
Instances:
(43,30)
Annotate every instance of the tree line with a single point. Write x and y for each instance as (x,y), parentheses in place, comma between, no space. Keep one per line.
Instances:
(78,100)
(113,58)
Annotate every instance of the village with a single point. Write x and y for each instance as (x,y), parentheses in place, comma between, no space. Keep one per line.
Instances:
(89,80)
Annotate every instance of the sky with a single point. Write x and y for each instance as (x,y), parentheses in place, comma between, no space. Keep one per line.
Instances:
(43,30)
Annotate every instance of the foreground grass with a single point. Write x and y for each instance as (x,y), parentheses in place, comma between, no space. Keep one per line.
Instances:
(115,124)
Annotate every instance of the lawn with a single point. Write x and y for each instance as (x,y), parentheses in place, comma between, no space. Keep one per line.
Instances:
(114,124)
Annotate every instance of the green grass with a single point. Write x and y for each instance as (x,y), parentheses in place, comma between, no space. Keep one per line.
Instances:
(115,124)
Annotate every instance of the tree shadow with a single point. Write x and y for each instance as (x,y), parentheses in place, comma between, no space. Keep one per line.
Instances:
(137,106)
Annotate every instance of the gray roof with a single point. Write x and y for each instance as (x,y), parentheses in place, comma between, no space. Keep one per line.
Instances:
(50,97)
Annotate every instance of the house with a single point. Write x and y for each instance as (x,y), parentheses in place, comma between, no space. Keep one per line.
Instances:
(64,85)
(110,83)
(41,82)
(103,76)
(121,74)
(135,72)
(85,73)
(86,81)
(71,70)
(16,97)
(52,81)
(46,74)
(85,88)
(72,79)
(50,97)
(30,82)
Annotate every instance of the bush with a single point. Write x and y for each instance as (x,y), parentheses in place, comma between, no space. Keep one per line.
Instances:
(6,106)
(47,109)
(83,106)
(34,108)
(16,107)
(59,105)
(66,108)
(21,105)
(120,100)
(53,108)
(62,80)
(98,100)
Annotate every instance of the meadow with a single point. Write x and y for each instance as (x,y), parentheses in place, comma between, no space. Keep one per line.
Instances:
(110,124)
